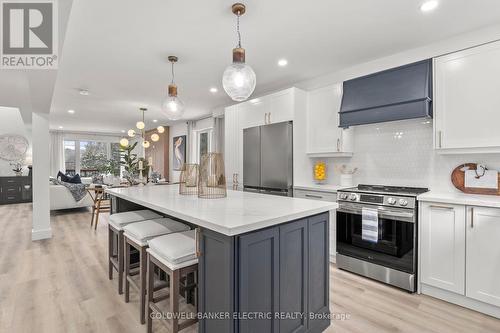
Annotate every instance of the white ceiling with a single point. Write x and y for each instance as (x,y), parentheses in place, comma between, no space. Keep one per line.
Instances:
(117,49)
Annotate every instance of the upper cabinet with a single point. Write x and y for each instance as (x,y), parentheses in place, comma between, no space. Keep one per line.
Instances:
(270,109)
(466,100)
(324,137)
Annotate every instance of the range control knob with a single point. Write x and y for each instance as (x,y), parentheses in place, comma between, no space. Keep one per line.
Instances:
(403,202)
(353,197)
(391,201)
(343,196)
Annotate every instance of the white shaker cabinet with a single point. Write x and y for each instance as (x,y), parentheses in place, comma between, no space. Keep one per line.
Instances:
(483,255)
(324,137)
(274,108)
(233,154)
(442,246)
(466,100)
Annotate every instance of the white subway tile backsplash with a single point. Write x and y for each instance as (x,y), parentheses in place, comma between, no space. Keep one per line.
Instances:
(401,153)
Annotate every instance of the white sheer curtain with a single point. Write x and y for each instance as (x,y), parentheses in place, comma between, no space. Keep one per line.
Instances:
(56,151)
(218,135)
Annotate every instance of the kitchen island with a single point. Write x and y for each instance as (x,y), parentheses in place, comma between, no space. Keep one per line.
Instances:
(264,259)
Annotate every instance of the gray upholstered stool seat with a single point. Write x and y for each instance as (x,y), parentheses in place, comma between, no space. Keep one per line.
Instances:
(136,235)
(115,239)
(119,220)
(175,254)
(175,250)
(141,232)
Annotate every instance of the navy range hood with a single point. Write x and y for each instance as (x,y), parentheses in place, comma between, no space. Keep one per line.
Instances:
(400,93)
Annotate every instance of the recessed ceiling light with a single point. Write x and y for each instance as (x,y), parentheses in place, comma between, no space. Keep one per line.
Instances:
(71,111)
(429,5)
(155,120)
(60,127)
(84,92)
(123,131)
(213,90)
(282,62)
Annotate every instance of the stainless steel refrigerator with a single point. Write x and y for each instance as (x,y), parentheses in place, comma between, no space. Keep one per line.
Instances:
(268,159)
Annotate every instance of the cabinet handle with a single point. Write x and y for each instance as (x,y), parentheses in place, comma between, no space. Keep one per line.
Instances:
(338,144)
(314,196)
(440,207)
(197,233)
(472,217)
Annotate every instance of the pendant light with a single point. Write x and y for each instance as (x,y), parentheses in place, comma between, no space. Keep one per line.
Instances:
(172,106)
(239,79)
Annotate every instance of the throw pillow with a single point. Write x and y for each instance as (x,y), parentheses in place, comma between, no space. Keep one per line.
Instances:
(75,179)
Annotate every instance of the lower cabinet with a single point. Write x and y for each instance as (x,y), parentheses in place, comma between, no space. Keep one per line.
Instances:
(275,279)
(459,253)
(15,189)
(442,244)
(483,255)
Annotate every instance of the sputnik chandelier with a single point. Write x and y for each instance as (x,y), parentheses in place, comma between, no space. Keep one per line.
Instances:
(140,125)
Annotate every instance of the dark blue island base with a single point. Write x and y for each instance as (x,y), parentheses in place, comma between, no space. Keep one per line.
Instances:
(266,281)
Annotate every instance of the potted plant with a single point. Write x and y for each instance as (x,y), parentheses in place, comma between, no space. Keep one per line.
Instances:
(129,161)
(18,168)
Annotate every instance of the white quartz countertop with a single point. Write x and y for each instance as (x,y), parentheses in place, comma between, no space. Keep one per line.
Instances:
(238,213)
(459,198)
(320,187)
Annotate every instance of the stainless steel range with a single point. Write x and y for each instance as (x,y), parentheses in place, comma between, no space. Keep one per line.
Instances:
(377,233)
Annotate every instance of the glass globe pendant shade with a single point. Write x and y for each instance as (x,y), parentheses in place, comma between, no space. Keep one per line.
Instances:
(145,144)
(160,129)
(239,79)
(155,137)
(131,133)
(172,106)
(124,142)
(140,125)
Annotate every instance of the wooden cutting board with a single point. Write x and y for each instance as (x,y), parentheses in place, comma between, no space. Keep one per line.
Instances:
(458,180)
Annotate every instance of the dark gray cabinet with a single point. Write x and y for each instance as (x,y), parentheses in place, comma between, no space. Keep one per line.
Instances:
(15,190)
(258,292)
(263,280)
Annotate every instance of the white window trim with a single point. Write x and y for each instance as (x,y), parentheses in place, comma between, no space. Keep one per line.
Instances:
(196,143)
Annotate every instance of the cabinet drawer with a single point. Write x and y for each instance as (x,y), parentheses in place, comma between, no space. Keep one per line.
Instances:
(10,198)
(315,195)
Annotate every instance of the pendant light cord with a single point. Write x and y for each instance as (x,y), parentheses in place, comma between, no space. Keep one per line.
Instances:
(173,75)
(238,29)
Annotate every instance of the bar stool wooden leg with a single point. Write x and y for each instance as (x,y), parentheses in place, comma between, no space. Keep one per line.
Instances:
(120,262)
(174,300)
(97,213)
(142,291)
(126,254)
(110,253)
(150,293)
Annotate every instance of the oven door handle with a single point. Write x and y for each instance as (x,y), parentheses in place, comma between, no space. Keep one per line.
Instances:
(381,212)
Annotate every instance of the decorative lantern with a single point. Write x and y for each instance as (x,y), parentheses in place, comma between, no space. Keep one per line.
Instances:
(212,180)
(188,184)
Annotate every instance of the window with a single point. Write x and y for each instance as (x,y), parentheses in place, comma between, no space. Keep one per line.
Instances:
(89,158)
(203,143)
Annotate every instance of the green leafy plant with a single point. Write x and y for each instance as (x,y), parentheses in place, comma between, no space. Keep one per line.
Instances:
(113,167)
(129,161)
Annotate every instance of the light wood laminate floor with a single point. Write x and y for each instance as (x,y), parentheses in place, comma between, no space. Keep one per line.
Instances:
(61,285)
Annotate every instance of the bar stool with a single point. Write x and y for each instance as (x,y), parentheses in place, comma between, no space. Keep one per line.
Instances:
(136,235)
(175,254)
(115,236)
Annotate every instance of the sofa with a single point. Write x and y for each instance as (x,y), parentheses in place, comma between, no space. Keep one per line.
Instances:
(61,198)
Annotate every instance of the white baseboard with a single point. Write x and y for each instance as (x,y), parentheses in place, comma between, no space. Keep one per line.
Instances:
(461,300)
(41,234)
